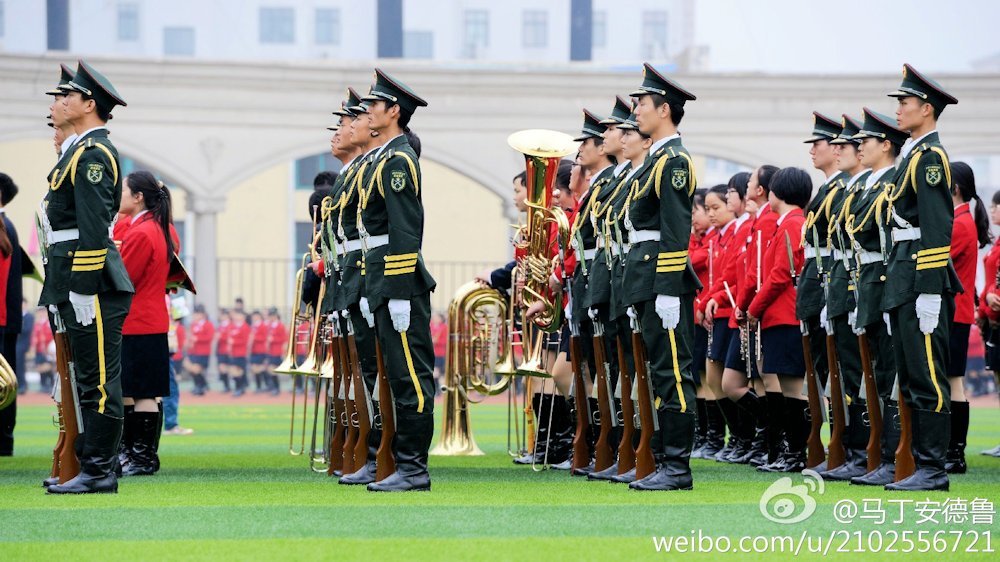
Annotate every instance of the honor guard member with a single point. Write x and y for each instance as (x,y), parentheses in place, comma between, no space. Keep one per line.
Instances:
(921,281)
(351,297)
(397,283)
(881,142)
(64,129)
(86,281)
(841,303)
(660,283)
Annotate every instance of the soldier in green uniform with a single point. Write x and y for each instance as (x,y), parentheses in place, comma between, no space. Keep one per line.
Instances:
(841,302)
(921,280)
(881,142)
(659,283)
(65,135)
(398,284)
(86,284)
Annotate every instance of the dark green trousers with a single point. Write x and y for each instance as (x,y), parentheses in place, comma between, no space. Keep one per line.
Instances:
(97,353)
(670,360)
(848,356)
(883,359)
(817,346)
(922,360)
(364,339)
(409,356)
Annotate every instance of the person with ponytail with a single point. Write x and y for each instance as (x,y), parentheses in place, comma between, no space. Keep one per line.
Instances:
(970,231)
(147,248)
(988,314)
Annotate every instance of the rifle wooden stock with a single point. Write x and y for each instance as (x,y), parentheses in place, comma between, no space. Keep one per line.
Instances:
(359,452)
(385,462)
(814,444)
(626,454)
(604,454)
(905,465)
(69,465)
(836,455)
(60,441)
(581,449)
(874,447)
(336,445)
(644,462)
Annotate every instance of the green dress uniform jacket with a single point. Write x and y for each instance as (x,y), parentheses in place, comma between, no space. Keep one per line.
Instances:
(868,235)
(599,285)
(583,231)
(809,298)
(331,245)
(352,286)
(842,290)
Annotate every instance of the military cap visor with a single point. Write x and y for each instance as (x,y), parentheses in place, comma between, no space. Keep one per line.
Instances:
(65,76)
(620,112)
(919,86)
(882,127)
(824,129)
(91,83)
(353,99)
(592,127)
(850,127)
(388,88)
(655,83)
(630,123)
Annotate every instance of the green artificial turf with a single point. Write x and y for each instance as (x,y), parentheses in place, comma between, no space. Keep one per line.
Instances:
(232,491)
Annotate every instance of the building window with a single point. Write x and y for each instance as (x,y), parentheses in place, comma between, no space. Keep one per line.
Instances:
(307,168)
(654,35)
(477,33)
(327,26)
(277,25)
(599,30)
(535,29)
(1,18)
(418,45)
(178,41)
(128,22)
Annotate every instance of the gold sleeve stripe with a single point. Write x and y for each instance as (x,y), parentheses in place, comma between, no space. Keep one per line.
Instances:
(931,265)
(88,261)
(933,259)
(681,254)
(400,265)
(400,271)
(91,253)
(97,267)
(931,251)
(401,257)
(671,269)
(675,261)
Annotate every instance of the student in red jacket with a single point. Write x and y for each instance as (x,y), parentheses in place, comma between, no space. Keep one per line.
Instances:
(774,308)
(147,248)
(239,350)
(711,428)
(199,348)
(970,231)
(989,302)
(222,347)
(258,351)
(277,339)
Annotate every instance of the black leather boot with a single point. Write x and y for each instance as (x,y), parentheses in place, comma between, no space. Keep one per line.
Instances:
(931,433)
(156,443)
(715,433)
(98,450)
(740,453)
(730,412)
(143,455)
(885,473)
(673,467)
(414,432)
(754,413)
(855,445)
(959,433)
(125,445)
(797,432)
(775,425)
(365,474)
(701,430)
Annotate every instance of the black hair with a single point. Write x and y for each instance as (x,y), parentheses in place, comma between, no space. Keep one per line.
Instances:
(765,174)
(699,197)
(324,179)
(719,191)
(414,141)
(404,118)
(676,109)
(792,185)
(8,189)
(599,142)
(562,175)
(964,183)
(316,199)
(522,176)
(738,183)
(937,110)
(156,197)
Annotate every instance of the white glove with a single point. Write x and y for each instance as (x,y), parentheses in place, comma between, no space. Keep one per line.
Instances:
(53,309)
(569,312)
(399,311)
(369,317)
(333,317)
(888,325)
(824,322)
(633,316)
(928,309)
(669,310)
(852,319)
(593,314)
(83,306)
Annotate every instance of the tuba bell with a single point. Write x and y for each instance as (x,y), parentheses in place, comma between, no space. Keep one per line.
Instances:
(8,384)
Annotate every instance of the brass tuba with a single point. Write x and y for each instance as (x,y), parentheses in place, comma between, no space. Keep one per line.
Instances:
(8,384)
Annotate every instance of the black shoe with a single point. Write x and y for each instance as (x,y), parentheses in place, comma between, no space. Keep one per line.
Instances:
(143,453)
(366,474)
(673,470)
(955,463)
(605,474)
(624,478)
(855,443)
(156,442)
(583,470)
(414,432)
(100,444)
(125,445)
(931,431)
(884,474)
(50,481)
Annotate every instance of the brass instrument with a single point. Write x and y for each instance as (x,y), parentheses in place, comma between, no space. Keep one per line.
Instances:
(478,346)
(542,151)
(8,384)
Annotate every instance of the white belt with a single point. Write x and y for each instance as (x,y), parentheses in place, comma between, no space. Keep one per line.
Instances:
(372,242)
(866,257)
(839,255)
(901,234)
(615,249)
(349,246)
(57,236)
(588,255)
(637,236)
(810,252)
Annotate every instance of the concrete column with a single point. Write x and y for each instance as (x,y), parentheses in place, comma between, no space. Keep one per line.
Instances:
(204,210)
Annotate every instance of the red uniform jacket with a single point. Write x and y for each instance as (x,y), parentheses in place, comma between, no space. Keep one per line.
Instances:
(774,304)
(224,345)
(965,255)
(259,338)
(181,338)
(990,263)
(698,252)
(726,254)
(739,265)
(41,337)
(4,275)
(202,334)
(763,229)
(144,252)
(239,339)
(277,335)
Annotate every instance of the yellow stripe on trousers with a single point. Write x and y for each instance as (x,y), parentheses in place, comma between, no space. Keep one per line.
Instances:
(677,370)
(413,373)
(101,367)
(930,365)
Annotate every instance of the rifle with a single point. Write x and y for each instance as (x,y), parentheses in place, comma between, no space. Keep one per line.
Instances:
(362,417)
(581,449)
(905,465)
(874,447)
(817,412)
(648,422)
(69,407)
(604,454)
(626,454)
(337,399)
(835,447)
(385,462)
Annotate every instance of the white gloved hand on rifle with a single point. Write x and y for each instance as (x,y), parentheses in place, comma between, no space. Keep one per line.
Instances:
(669,310)
(366,312)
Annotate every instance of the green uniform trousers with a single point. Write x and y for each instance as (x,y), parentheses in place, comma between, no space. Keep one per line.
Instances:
(670,355)
(922,359)
(848,356)
(409,356)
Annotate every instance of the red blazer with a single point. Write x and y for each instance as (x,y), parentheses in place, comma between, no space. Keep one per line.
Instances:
(144,252)
(965,255)
(259,338)
(181,338)
(774,304)
(277,335)
(239,340)
(224,344)
(742,238)
(41,337)
(698,252)
(5,263)
(763,229)
(725,263)
(202,334)
(990,269)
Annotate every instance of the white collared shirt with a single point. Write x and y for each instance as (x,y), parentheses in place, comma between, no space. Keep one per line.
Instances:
(831,176)
(763,208)
(379,153)
(656,145)
(742,219)
(876,175)
(67,143)
(856,176)
(632,172)
(726,228)
(620,167)
(783,215)
(910,143)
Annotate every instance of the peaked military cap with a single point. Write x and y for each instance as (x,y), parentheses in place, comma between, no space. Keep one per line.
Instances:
(91,83)
(65,76)
(917,85)
(848,128)
(353,99)
(390,89)
(592,128)
(824,128)
(882,127)
(629,123)
(621,111)
(655,83)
